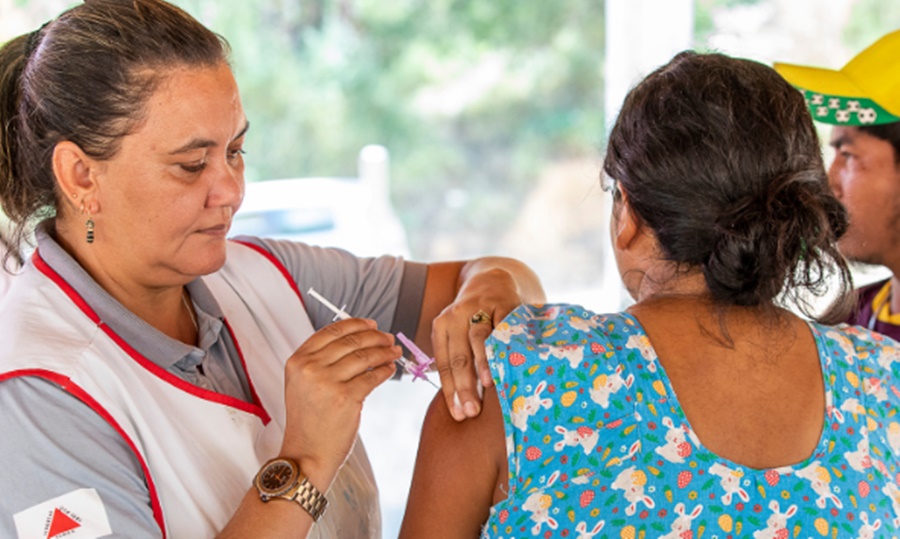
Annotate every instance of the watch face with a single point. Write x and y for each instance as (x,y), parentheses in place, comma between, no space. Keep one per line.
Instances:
(277,477)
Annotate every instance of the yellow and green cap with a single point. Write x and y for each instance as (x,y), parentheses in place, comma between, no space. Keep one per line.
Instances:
(866,91)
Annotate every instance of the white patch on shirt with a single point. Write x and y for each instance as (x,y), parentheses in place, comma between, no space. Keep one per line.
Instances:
(77,515)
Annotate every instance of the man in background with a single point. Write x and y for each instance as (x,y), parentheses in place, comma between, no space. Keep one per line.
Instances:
(862,102)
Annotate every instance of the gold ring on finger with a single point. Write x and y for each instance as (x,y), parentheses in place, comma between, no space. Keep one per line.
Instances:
(480,317)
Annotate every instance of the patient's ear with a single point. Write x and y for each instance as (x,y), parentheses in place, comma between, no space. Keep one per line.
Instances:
(626,225)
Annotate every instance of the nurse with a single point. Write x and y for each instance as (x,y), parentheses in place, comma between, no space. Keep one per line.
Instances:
(157,379)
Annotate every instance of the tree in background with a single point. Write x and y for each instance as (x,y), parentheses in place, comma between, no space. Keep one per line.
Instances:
(480,102)
(472,98)
(870,19)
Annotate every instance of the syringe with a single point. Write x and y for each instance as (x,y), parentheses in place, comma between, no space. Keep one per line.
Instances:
(340,314)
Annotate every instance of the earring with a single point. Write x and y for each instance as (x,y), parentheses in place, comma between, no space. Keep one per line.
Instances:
(89,224)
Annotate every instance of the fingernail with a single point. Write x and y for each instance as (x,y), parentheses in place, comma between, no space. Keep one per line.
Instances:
(457,413)
(456,410)
(471,409)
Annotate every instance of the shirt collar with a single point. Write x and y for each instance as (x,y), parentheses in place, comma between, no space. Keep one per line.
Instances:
(157,347)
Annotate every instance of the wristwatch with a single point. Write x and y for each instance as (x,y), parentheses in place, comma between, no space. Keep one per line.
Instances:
(282,478)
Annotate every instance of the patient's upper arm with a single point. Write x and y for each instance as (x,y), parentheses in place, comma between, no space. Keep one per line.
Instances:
(460,472)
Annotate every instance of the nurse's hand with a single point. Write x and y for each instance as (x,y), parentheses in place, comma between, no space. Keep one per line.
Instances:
(459,333)
(326,381)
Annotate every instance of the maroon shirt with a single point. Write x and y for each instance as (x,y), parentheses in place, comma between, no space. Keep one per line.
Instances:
(871,299)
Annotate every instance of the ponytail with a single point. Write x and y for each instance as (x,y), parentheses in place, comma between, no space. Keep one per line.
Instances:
(13,57)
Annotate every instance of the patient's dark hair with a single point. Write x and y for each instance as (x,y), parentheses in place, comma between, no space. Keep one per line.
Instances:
(719,157)
(85,77)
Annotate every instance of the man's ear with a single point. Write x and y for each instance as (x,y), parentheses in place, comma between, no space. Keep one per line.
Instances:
(72,169)
(627,224)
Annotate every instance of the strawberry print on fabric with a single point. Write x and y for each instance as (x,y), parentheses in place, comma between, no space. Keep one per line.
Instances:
(598,445)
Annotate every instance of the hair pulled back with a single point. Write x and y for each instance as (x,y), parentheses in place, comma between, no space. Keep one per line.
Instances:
(85,78)
(720,158)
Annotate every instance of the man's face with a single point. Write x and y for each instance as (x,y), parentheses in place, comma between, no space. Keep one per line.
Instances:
(865,177)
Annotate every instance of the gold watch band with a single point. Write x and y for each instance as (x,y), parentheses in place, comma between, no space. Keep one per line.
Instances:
(309,498)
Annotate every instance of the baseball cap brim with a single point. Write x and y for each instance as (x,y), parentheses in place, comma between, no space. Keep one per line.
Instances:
(821,81)
(866,91)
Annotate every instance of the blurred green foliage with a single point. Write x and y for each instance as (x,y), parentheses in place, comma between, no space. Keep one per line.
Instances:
(869,20)
(704,25)
(473,98)
(469,96)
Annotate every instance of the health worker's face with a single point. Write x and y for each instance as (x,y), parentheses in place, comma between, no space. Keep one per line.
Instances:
(167,198)
(866,179)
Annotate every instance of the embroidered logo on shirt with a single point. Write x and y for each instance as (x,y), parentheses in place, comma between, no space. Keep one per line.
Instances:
(77,515)
(62,522)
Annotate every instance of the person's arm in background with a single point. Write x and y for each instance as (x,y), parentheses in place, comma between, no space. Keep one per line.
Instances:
(454,292)
(461,471)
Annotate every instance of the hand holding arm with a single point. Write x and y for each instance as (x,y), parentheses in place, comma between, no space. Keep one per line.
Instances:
(454,293)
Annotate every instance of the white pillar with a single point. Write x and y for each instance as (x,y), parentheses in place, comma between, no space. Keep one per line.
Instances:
(641,35)
(373,169)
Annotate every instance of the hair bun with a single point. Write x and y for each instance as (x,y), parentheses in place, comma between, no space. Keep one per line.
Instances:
(738,268)
(764,239)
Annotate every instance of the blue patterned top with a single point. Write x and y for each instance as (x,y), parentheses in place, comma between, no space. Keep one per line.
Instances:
(599,447)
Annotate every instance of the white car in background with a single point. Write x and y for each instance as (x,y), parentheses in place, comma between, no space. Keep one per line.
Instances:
(351,213)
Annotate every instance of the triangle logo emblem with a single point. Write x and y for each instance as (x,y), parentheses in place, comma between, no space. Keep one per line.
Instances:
(61,523)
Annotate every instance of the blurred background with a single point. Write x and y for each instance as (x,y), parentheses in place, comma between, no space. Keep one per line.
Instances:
(450,129)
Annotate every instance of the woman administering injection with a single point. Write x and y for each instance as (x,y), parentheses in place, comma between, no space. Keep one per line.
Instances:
(161,366)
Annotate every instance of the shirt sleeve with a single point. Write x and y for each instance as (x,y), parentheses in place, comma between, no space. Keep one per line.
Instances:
(387,289)
(55,445)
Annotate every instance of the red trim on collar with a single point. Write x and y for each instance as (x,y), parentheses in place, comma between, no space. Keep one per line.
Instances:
(254,408)
(70,387)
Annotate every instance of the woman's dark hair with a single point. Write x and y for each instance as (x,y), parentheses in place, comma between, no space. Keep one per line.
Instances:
(85,78)
(719,157)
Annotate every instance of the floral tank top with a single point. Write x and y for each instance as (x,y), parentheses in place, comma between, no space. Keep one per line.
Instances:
(598,445)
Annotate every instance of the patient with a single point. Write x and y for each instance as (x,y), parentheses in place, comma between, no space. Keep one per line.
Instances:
(706,407)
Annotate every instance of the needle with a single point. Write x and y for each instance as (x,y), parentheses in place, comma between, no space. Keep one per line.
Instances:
(417,370)
(423,360)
